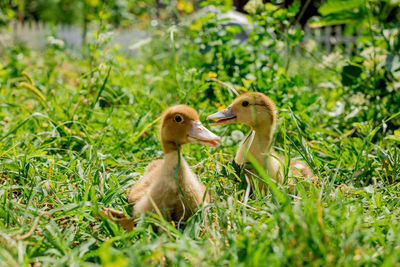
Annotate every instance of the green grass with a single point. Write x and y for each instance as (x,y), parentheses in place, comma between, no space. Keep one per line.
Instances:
(78,148)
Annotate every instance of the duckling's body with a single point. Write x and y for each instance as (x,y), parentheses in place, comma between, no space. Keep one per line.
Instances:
(142,186)
(259,112)
(169,186)
(165,190)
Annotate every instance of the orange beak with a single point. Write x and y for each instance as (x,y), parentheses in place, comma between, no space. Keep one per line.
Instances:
(200,134)
(222,117)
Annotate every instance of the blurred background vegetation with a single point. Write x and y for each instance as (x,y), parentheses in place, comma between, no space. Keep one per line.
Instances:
(369,73)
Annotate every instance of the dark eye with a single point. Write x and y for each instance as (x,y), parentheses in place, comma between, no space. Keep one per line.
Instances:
(178,118)
(245,103)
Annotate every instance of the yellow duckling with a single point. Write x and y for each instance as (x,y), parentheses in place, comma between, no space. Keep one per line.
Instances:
(259,112)
(169,186)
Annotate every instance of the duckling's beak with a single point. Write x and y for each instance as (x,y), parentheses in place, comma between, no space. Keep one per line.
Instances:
(225,116)
(200,134)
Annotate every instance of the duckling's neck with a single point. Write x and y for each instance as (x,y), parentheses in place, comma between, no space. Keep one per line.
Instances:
(169,147)
(174,160)
(262,138)
(171,159)
(259,146)
(171,156)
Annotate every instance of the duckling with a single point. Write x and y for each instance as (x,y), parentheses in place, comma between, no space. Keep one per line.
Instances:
(168,185)
(259,112)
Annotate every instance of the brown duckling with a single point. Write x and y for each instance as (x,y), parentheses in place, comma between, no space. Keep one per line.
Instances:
(176,194)
(259,112)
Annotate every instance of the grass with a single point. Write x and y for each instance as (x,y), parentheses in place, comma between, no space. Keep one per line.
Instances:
(76,133)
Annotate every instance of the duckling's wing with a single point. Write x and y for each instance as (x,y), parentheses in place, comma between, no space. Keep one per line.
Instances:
(157,163)
(244,148)
(151,172)
(300,168)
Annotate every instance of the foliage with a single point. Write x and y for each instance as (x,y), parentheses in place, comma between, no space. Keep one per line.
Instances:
(356,13)
(372,76)
(251,56)
(78,129)
(115,12)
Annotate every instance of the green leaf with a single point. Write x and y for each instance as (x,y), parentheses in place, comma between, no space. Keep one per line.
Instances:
(336,6)
(393,137)
(350,74)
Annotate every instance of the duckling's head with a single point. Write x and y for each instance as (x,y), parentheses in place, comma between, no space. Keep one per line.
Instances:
(180,125)
(254,109)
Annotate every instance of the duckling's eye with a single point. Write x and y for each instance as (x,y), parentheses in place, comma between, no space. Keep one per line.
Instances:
(178,118)
(245,103)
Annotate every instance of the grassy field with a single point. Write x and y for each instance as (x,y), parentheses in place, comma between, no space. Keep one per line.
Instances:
(76,130)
